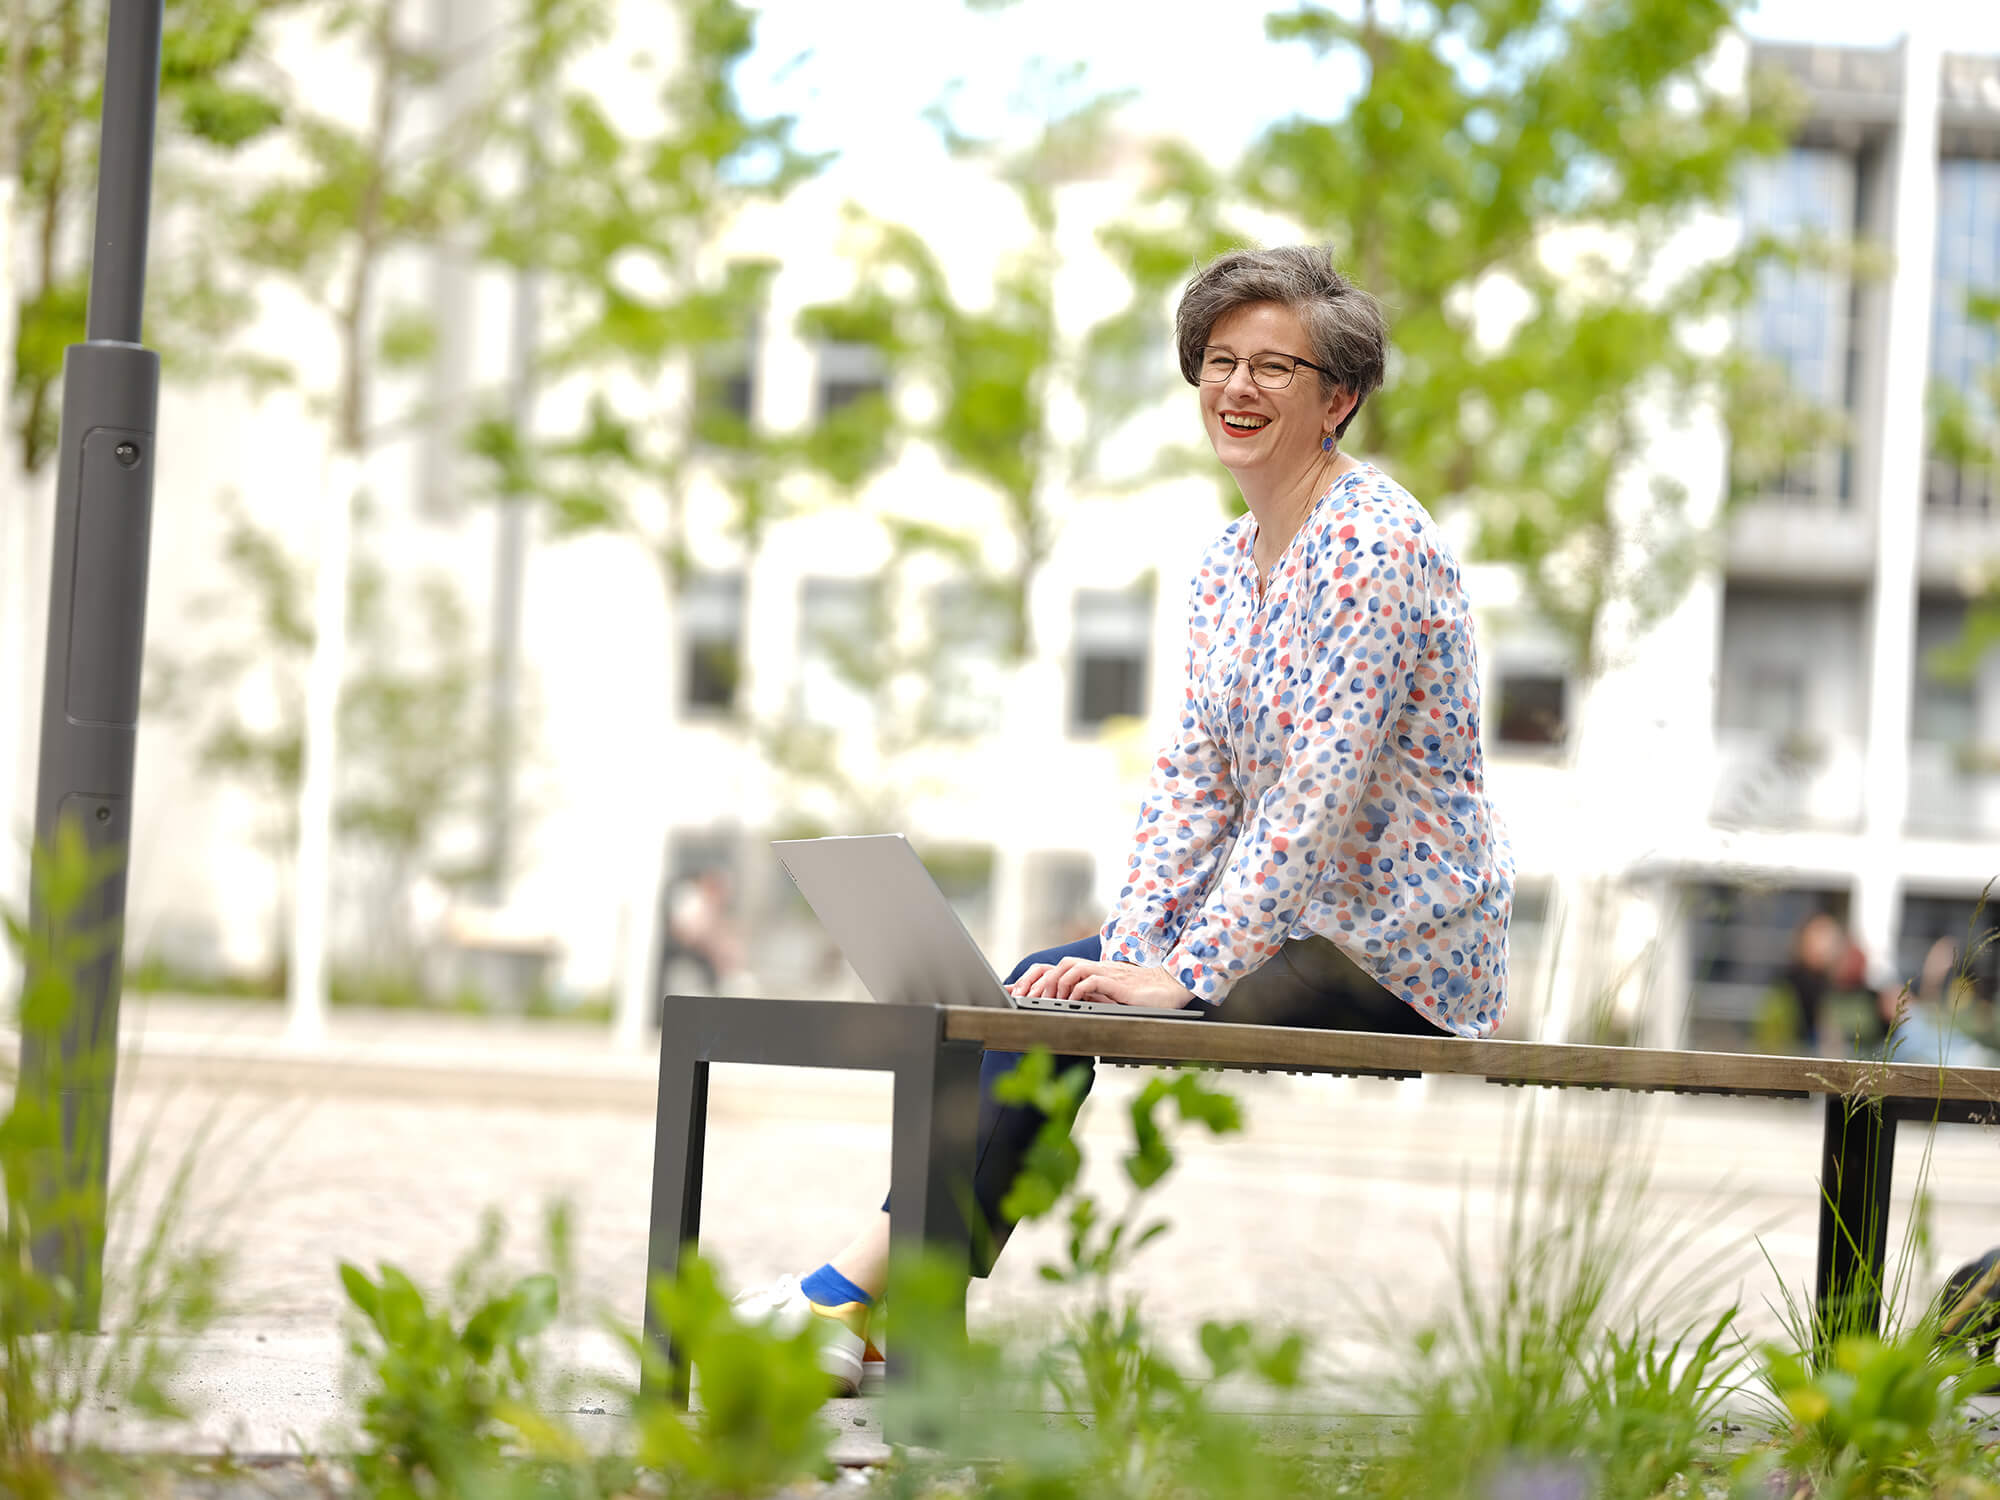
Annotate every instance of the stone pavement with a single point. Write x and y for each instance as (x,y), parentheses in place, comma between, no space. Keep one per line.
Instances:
(1337,1209)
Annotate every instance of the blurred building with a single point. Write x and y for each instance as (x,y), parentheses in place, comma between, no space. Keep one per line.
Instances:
(1852,772)
(1781,744)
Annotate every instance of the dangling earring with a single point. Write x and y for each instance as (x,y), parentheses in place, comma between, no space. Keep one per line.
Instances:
(1326,443)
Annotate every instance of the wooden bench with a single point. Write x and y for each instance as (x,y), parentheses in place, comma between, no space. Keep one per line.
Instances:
(933,1052)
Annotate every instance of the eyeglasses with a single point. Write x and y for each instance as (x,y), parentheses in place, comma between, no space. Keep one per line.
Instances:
(1271,370)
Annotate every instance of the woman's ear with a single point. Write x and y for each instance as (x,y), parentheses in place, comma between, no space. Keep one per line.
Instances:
(1341,406)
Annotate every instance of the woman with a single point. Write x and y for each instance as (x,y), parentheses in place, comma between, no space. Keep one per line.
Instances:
(1316,848)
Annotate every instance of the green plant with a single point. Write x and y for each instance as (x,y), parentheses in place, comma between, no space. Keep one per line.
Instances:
(1142,1424)
(757,1427)
(452,1388)
(68,1347)
(1880,1417)
(1573,1351)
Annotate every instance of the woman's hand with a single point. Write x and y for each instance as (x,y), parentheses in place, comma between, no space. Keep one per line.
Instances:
(1142,985)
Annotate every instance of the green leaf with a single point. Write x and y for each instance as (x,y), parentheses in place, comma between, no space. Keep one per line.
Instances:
(408,338)
(363,1294)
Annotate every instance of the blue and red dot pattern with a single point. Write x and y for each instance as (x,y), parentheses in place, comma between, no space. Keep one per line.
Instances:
(1326,775)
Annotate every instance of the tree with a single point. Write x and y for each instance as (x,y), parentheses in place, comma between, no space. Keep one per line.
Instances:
(1515,180)
(643,328)
(1550,155)
(413,729)
(642,321)
(369,197)
(1000,366)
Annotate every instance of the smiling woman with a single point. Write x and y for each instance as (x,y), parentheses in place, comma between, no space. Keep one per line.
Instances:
(1317,847)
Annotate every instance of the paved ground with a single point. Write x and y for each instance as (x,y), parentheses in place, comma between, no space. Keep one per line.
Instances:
(1338,1210)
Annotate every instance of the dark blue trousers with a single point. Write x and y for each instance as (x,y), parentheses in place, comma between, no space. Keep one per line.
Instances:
(1308,982)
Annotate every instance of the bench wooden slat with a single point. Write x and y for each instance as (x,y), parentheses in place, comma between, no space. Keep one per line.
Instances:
(1568,1064)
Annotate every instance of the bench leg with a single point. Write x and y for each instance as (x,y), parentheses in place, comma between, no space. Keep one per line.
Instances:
(679,1144)
(1857,1164)
(934,1136)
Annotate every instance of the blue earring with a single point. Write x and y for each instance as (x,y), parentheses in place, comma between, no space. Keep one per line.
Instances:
(1326,443)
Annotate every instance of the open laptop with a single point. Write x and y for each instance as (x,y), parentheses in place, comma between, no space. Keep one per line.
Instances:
(878,902)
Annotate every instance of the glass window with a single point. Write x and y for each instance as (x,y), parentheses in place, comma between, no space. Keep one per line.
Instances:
(1739,945)
(1532,708)
(971,637)
(1943,708)
(1968,922)
(725,389)
(1965,348)
(1791,661)
(711,620)
(840,627)
(1801,317)
(1061,898)
(847,373)
(1113,635)
(964,872)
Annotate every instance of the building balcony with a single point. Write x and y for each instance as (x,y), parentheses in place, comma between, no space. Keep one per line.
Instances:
(1799,781)
(1789,538)
(1954,791)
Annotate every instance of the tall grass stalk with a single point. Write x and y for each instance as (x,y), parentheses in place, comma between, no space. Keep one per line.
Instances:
(1575,1350)
(64,1349)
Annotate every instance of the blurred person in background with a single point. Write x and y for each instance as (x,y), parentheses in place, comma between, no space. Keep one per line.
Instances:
(1317,847)
(1791,1020)
(702,945)
(1930,1020)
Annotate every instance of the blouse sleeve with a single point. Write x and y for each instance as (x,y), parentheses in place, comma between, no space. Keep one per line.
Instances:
(1352,649)
(1189,814)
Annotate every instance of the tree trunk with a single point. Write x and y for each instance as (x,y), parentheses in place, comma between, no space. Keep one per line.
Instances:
(305,999)
(14,595)
(347,464)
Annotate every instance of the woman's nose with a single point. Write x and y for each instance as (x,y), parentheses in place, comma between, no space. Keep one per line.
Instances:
(1239,382)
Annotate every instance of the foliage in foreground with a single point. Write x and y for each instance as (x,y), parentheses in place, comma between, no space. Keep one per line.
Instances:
(70,1348)
(1571,1366)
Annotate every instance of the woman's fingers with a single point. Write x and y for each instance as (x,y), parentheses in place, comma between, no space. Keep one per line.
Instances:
(1057,981)
(1025,985)
(1099,986)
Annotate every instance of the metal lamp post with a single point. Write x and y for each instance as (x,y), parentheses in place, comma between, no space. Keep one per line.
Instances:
(90,686)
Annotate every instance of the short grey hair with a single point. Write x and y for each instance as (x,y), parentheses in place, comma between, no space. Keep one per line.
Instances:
(1344,325)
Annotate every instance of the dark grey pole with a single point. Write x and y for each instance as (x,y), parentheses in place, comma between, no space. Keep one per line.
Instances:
(90,686)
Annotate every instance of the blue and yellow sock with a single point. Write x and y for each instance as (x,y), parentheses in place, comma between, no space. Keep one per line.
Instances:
(828,1288)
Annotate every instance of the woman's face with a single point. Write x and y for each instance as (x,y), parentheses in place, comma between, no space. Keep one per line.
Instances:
(1263,436)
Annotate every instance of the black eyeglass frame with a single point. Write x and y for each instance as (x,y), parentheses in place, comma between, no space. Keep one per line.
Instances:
(1245,359)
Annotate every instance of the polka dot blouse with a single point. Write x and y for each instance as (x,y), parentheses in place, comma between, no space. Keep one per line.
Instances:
(1325,776)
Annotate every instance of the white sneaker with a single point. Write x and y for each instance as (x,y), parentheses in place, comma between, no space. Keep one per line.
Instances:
(786,1309)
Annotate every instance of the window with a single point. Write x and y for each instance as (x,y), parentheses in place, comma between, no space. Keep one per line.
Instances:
(964,873)
(971,637)
(1792,662)
(1739,945)
(1532,708)
(1965,348)
(1966,922)
(1764,698)
(725,389)
(1113,631)
(848,373)
(1061,904)
(711,620)
(840,627)
(1802,317)
(1943,705)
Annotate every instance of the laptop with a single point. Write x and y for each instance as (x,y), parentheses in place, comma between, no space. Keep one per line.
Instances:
(891,922)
